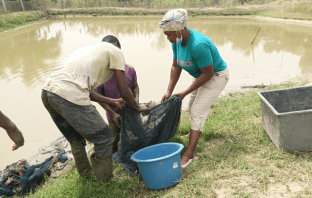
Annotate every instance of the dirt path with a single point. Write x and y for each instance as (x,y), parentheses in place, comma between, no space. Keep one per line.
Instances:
(288,21)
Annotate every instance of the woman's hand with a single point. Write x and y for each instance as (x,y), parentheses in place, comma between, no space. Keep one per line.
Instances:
(142,107)
(166,96)
(116,119)
(181,95)
(118,103)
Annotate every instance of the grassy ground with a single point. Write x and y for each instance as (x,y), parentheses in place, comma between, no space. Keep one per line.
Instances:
(236,158)
(13,20)
(285,15)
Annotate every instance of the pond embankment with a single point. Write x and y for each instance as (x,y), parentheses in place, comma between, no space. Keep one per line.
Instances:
(282,10)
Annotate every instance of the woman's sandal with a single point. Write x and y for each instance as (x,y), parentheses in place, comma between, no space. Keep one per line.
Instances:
(185,136)
(187,163)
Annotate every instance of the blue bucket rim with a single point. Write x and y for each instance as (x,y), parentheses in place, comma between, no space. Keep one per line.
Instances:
(181,146)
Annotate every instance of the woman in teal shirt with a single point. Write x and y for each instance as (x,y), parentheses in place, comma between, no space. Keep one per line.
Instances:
(196,54)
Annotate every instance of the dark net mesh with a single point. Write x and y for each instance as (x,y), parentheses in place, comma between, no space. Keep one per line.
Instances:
(142,129)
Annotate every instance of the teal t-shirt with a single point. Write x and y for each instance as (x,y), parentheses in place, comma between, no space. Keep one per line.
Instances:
(199,52)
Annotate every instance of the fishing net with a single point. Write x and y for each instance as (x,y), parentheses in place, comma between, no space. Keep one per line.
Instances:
(141,129)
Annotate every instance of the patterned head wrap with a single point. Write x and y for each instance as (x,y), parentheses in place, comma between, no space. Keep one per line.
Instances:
(174,20)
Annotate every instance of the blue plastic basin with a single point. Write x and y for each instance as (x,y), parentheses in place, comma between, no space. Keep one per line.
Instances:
(160,165)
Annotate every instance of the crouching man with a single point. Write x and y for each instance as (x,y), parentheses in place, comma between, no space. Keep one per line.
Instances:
(67,95)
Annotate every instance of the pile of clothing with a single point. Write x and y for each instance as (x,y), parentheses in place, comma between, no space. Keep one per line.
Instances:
(24,175)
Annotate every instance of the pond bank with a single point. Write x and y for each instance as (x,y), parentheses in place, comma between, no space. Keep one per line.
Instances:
(274,10)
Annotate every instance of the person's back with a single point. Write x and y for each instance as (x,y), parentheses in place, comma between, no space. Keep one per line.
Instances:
(200,40)
(83,70)
(110,87)
(190,57)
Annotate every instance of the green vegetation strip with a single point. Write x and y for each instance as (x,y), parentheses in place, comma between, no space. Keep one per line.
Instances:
(284,15)
(235,156)
(141,11)
(12,20)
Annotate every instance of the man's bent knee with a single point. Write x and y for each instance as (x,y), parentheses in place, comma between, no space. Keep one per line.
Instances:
(77,146)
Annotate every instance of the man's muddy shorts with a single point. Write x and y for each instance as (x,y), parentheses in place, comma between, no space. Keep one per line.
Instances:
(79,123)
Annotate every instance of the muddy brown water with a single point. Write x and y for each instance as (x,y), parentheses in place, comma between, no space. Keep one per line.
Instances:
(280,52)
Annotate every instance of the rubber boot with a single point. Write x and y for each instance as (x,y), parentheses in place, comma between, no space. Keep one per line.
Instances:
(102,167)
(81,159)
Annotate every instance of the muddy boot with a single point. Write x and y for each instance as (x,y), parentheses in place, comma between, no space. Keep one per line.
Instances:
(102,167)
(81,159)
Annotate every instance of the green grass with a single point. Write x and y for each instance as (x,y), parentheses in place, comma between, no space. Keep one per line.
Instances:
(300,7)
(12,20)
(141,11)
(286,15)
(235,157)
